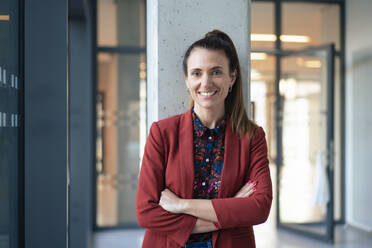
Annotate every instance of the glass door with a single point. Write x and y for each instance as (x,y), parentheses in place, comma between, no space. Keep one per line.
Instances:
(305,183)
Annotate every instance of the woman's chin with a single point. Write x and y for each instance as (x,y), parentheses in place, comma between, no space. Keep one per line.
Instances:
(207,105)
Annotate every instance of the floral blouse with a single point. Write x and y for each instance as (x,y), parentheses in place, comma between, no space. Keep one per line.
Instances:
(209,147)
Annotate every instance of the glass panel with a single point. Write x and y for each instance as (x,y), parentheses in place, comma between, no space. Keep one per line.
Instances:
(263,96)
(121,129)
(262,19)
(303,180)
(310,24)
(10,119)
(121,23)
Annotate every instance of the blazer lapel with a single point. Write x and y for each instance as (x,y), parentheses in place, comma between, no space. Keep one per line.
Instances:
(186,154)
(231,162)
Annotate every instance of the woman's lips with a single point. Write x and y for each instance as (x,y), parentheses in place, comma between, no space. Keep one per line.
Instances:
(206,96)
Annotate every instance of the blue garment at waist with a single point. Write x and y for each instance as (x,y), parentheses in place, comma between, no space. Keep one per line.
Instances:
(204,244)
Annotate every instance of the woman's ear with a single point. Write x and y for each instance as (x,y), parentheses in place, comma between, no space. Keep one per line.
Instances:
(233,77)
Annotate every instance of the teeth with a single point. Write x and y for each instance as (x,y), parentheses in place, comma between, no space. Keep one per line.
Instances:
(207,93)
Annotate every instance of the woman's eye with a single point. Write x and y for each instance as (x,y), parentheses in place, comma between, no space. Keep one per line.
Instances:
(195,73)
(216,72)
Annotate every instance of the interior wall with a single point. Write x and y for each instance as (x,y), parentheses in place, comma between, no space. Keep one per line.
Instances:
(358,113)
(46,124)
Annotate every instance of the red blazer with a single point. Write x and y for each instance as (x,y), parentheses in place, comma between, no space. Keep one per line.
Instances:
(168,163)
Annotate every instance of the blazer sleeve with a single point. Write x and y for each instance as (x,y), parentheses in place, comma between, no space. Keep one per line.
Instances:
(255,209)
(150,214)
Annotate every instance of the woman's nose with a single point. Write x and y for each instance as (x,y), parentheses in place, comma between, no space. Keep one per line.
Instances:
(206,80)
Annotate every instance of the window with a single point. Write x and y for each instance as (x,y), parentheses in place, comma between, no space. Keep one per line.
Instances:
(310,24)
(121,109)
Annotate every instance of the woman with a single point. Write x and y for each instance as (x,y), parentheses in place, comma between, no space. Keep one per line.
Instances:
(205,178)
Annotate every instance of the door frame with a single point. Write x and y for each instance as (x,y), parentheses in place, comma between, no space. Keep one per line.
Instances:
(329,221)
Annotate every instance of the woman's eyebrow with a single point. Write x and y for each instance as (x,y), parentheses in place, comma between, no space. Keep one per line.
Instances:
(216,67)
(213,68)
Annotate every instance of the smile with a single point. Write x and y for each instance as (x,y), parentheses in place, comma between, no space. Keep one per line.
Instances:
(211,93)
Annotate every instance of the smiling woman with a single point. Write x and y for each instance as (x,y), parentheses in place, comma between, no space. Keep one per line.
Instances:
(208,81)
(216,54)
(205,179)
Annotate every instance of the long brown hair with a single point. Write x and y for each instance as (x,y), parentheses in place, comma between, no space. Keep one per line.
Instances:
(234,102)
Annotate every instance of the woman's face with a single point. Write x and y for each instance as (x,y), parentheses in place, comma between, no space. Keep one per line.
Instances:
(208,78)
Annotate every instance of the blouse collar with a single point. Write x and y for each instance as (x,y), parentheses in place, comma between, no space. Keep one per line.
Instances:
(200,129)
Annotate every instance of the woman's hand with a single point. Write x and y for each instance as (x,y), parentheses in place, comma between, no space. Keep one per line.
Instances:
(203,226)
(171,202)
(248,189)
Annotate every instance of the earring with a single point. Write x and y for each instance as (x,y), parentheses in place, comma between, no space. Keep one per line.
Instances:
(230,89)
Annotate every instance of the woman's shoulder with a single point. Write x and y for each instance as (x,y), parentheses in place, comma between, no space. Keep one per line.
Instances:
(257,133)
(170,124)
(169,121)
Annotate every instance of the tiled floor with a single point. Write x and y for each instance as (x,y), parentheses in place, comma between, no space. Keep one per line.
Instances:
(266,237)
(119,239)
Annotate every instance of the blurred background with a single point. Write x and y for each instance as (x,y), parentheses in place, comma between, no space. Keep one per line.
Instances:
(81,81)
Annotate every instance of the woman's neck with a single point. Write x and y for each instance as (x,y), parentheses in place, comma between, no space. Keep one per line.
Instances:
(209,117)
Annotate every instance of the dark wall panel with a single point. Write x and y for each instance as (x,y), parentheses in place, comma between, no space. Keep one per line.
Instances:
(46,124)
(81,129)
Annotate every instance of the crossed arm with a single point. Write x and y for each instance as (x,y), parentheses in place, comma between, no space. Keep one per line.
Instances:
(160,213)
(201,209)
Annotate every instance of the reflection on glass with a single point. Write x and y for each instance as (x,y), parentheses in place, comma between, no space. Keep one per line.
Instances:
(120,23)
(303,25)
(319,23)
(303,190)
(121,128)
(263,96)
(121,109)
(262,19)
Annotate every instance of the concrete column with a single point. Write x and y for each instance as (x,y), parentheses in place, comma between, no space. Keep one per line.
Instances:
(173,25)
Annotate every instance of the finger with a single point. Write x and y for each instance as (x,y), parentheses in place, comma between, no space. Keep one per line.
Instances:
(248,192)
(250,184)
(247,187)
(243,191)
(239,194)
(254,183)
(251,192)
